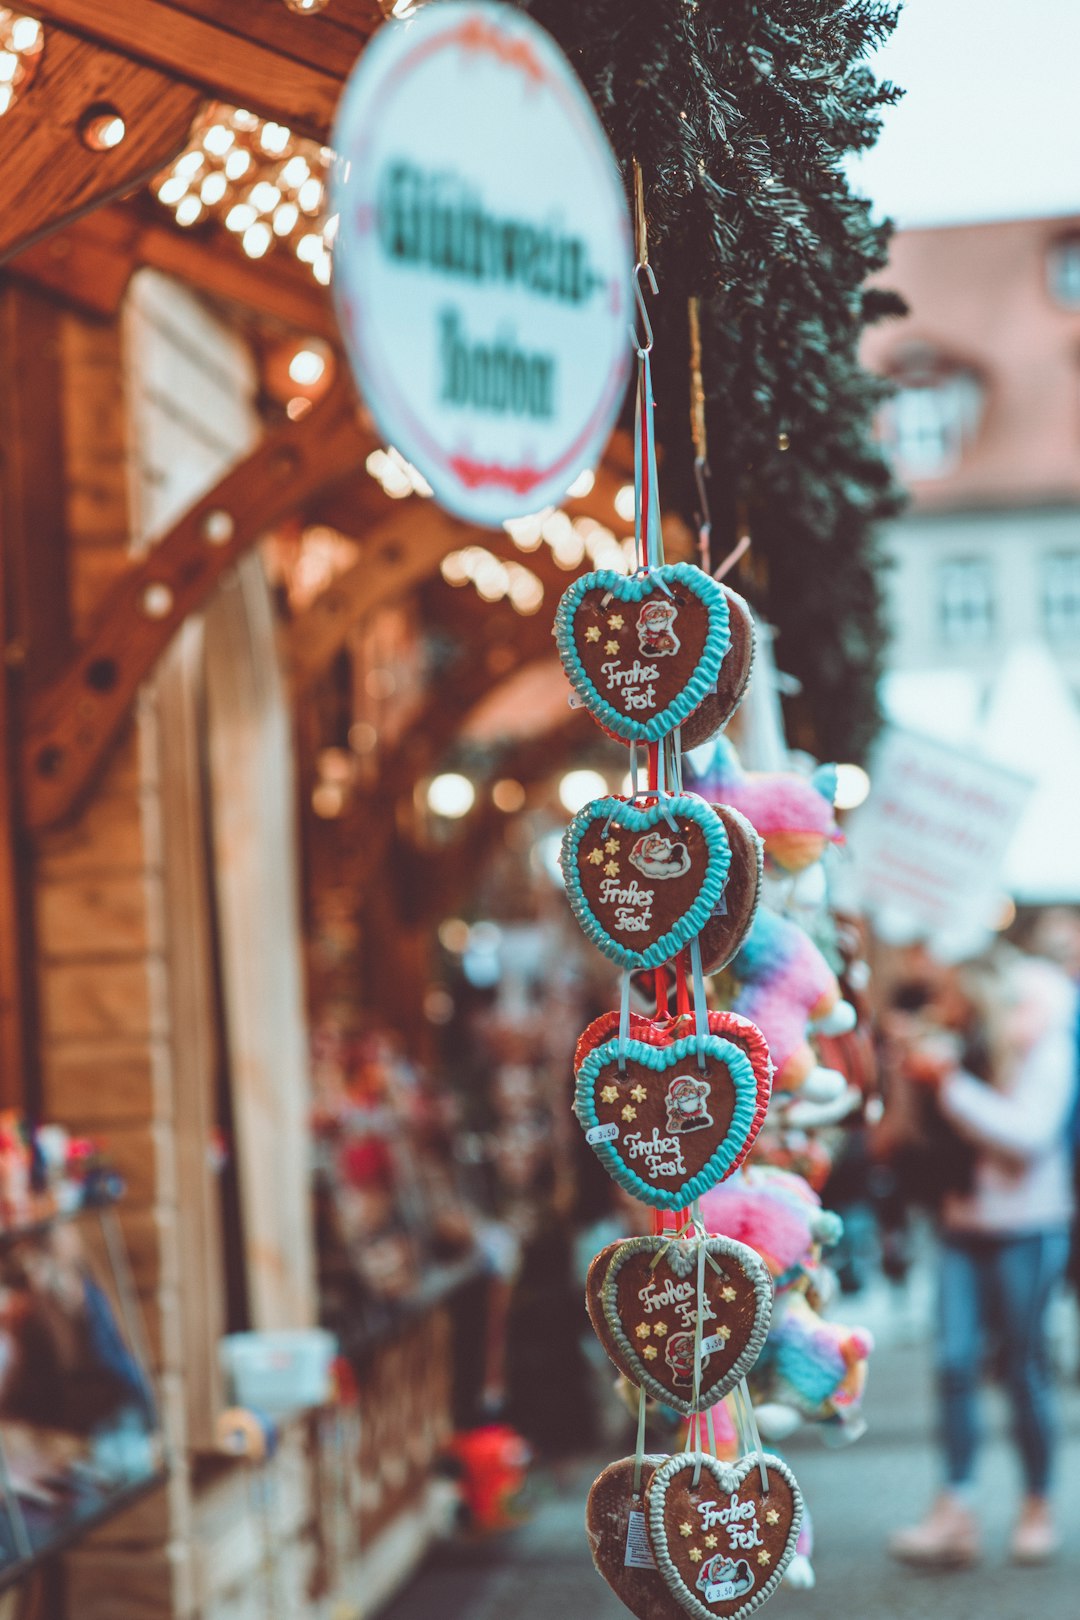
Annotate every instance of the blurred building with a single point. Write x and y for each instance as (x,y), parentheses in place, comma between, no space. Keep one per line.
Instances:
(985,431)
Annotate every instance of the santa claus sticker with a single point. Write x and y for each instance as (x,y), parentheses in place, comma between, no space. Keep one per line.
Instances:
(656,628)
(659,856)
(482,266)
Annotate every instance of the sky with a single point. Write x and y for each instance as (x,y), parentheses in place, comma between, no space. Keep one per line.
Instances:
(990,126)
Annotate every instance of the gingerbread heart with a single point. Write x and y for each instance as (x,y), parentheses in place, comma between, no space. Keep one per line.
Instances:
(642,651)
(717,707)
(730,922)
(672,1120)
(618,1540)
(722,1546)
(729,1026)
(644,880)
(642,1299)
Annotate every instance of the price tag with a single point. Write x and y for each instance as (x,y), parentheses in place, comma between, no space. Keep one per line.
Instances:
(638,1551)
(602,1133)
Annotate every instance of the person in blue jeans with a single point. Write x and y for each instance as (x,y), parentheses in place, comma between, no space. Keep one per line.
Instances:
(1004,1235)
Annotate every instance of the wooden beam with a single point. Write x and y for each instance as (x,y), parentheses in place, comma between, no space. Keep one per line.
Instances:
(251,53)
(53,175)
(89,263)
(32,503)
(72,721)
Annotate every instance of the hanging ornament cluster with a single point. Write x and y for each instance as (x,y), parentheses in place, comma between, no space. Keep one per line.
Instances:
(666,883)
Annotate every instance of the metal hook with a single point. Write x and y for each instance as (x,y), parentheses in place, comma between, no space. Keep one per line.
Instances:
(642,349)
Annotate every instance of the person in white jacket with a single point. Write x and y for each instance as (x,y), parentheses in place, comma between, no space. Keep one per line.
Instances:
(1004,1241)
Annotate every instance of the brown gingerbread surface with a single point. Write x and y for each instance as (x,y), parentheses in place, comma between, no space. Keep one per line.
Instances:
(640,655)
(643,1309)
(670,1121)
(607,1520)
(725,930)
(717,708)
(725,1545)
(639,884)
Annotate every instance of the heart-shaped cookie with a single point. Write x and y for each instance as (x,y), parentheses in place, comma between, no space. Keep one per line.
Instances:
(619,1542)
(642,1299)
(642,651)
(717,707)
(643,880)
(674,1119)
(728,1026)
(734,911)
(723,1545)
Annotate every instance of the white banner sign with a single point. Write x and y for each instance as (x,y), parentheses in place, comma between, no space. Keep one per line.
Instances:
(929,843)
(482,268)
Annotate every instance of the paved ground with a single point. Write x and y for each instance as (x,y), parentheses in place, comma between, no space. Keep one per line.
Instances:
(543,1571)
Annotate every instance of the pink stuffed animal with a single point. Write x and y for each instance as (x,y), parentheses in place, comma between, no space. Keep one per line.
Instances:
(793,814)
(776,1213)
(783,984)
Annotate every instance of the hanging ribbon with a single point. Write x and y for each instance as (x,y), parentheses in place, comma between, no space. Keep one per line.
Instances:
(701,1006)
(746,1425)
(624,1020)
(639,1449)
(698,1319)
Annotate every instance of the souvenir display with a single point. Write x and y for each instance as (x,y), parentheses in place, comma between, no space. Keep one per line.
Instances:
(666,884)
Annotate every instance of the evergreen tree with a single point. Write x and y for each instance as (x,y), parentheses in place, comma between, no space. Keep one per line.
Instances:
(740,113)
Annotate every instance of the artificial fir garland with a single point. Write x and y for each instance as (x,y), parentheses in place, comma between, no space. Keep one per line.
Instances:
(740,113)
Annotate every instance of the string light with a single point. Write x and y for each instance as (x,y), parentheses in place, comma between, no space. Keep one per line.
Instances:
(22,40)
(266,185)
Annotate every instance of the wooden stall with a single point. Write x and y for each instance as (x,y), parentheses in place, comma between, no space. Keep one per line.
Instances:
(216,726)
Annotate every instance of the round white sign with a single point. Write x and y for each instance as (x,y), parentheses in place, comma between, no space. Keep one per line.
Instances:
(482,268)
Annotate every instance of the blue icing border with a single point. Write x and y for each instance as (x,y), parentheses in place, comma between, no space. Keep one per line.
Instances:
(661,1058)
(635,588)
(628,816)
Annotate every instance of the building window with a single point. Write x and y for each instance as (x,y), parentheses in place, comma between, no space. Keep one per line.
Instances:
(1061,593)
(932,417)
(1063,270)
(965,601)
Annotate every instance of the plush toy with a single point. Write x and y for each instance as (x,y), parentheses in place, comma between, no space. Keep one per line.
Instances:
(782,983)
(812,1371)
(792,813)
(777,1214)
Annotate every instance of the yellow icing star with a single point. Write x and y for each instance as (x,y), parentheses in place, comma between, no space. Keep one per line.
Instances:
(772,1517)
(611,646)
(629,1112)
(727,1293)
(611,868)
(639,1094)
(649,1352)
(694,1555)
(615,621)
(710,1541)
(660,1329)
(610,1094)
(764,1556)
(723,1333)
(596,856)
(612,846)
(643,1330)
(593,633)
(686,1529)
